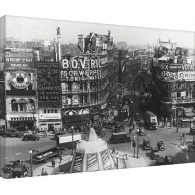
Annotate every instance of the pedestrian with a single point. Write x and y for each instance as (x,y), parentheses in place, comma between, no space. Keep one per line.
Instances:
(113,150)
(53,163)
(60,157)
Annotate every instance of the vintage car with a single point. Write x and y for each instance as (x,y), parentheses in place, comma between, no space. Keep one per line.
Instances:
(154,153)
(100,133)
(168,159)
(30,137)
(118,127)
(146,144)
(9,133)
(161,145)
(142,132)
(47,154)
(20,171)
(9,166)
(160,160)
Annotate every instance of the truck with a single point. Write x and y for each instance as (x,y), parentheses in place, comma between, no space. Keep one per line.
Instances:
(65,140)
(150,120)
(120,137)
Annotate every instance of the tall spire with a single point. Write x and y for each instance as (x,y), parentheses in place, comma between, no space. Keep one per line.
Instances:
(58,44)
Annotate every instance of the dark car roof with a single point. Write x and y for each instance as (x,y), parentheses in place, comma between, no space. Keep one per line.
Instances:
(10,163)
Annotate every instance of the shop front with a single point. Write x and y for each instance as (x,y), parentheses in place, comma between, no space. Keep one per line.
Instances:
(79,120)
(50,122)
(25,120)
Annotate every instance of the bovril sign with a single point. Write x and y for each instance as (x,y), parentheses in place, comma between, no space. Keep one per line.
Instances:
(81,68)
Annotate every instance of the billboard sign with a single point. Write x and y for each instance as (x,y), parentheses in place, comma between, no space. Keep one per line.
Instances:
(168,76)
(186,76)
(19,61)
(80,68)
(48,84)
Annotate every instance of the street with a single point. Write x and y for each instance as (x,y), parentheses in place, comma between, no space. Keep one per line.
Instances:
(19,150)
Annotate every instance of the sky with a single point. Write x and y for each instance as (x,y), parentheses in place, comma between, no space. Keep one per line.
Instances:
(27,29)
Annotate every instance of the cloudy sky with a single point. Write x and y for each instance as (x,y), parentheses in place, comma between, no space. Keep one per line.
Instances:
(27,29)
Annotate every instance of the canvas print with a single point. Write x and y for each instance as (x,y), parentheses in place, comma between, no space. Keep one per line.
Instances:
(82,97)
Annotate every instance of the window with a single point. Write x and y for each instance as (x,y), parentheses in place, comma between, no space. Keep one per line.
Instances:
(48,111)
(44,111)
(22,105)
(51,111)
(14,105)
(56,111)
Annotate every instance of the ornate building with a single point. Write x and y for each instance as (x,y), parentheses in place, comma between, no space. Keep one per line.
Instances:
(20,88)
(87,80)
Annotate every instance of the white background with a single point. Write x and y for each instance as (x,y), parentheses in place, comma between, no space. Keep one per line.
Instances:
(177,15)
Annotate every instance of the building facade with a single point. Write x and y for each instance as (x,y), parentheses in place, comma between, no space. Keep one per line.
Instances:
(20,89)
(174,85)
(86,81)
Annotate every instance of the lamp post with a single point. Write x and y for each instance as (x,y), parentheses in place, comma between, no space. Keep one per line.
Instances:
(33,112)
(30,152)
(72,128)
(138,143)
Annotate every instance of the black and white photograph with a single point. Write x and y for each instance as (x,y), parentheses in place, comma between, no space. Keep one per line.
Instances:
(84,97)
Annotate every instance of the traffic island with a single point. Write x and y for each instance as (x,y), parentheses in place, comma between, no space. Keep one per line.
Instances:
(59,168)
(189,147)
(127,160)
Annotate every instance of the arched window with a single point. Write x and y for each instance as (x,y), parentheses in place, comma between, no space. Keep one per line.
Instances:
(31,105)
(22,105)
(14,105)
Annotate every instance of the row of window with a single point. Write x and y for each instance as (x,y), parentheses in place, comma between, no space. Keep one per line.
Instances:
(22,105)
(50,111)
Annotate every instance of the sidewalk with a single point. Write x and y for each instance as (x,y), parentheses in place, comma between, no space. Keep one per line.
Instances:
(127,160)
(48,166)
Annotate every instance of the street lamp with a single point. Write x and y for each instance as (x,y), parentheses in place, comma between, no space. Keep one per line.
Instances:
(30,152)
(138,143)
(33,112)
(72,128)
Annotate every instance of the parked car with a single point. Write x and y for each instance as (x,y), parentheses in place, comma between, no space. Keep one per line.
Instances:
(20,171)
(142,132)
(146,144)
(30,137)
(137,117)
(161,145)
(168,159)
(9,166)
(160,160)
(154,153)
(8,133)
(100,133)
(118,127)
(120,137)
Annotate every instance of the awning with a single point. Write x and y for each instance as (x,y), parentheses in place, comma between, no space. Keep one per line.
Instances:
(125,107)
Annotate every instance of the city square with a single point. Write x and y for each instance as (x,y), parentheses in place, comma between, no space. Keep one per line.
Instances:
(94,105)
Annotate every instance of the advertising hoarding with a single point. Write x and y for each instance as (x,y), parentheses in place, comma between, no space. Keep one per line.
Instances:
(80,68)
(77,167)
(106,160)
(48,84)
(19,61)
(168,76)
(92,162)
(186,76)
